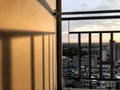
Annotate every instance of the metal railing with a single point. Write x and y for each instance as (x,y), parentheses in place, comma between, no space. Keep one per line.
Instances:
(111,60)
(100,51)
(100,45)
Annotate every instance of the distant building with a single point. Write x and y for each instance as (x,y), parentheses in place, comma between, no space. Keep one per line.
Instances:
(117,51)
(104,55)
(114,49)
(66,61)
(75,61)
(85,61)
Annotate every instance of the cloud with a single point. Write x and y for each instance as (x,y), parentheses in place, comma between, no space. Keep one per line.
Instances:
(99,27)
(91,25)
(107,24)
(78,5)
(90,5)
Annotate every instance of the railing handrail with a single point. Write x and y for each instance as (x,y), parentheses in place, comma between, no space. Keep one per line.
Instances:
(76,32)
(89,12)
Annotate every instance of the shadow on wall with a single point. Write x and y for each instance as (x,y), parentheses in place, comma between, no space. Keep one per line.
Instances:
(46,6)
(6,62)
(6,49)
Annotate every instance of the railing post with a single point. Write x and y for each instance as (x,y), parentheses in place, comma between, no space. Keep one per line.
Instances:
(90,67)
(111,55)
(59,46)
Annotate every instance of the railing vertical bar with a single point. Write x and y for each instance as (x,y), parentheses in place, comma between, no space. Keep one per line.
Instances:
(111,54)
(100,50)
(90,59)
(89,55)
(79,54)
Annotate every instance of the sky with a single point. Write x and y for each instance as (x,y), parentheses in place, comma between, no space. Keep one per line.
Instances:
(90,25)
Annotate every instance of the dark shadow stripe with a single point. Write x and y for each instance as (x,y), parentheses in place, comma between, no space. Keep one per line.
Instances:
(22,33)
(46,6)
(15,33)
(32,64)
(6,64)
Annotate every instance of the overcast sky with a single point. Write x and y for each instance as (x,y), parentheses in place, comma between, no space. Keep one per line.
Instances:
(90,25)
(78,5)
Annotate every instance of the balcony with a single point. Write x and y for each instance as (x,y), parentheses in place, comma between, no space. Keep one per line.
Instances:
(28,52)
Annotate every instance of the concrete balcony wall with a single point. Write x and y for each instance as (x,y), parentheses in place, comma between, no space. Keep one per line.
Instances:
(26,15)
(17,51)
